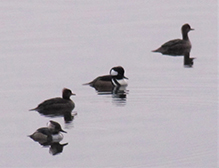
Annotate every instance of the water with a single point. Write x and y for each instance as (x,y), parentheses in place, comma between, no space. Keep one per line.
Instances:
(169,117)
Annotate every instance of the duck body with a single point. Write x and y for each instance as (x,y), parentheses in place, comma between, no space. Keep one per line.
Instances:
(108,82)
(177,47)
(57,105)
(42,135)
(105,80)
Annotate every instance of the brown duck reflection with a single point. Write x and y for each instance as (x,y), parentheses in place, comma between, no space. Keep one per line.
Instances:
(188,62)
(67,115)
(56,148)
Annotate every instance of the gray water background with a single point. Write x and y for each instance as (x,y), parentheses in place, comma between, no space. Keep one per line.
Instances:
(169,118)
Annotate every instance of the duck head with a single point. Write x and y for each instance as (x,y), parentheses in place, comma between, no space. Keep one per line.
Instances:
(55,127)
(118,72)
(67,93)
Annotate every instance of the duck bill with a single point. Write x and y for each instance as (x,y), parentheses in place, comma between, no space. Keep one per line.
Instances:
(126,77)
(73,94)
(192,29)
(63,131)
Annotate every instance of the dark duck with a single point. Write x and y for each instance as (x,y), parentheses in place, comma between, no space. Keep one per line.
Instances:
(116,78)
(177,47)
(57,105)
(49,134)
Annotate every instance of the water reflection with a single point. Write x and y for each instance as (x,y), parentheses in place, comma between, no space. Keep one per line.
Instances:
(50,136)
(188,62)
(103,89)
(119,97)
(67,115)
(56,148)
(119,94)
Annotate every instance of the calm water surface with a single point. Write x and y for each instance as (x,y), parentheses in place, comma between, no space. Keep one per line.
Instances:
(169,116)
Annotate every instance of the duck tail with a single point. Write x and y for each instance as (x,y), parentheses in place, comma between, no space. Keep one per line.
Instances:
(86,84)
(33,109)
(157,50)
(89,83)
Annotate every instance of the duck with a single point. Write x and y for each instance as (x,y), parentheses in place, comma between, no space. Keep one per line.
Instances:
(49,134)
(57,105)
(115,78)
(177,47)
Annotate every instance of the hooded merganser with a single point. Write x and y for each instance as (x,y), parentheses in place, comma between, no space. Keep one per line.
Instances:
(108,82)
(49,134)
(177,46)
(57,105)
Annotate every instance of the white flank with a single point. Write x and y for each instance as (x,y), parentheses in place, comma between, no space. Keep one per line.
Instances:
(57,137)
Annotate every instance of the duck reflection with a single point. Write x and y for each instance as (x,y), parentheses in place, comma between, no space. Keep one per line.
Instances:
(119,94)
(67,115)
(188,62)
(50,136)
(56,148)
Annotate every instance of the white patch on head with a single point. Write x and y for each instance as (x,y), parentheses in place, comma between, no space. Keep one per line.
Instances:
(113,72)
